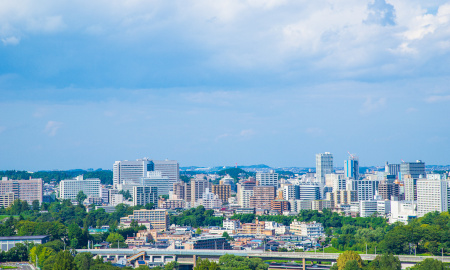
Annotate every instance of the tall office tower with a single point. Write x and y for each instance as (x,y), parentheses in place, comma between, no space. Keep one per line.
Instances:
(410,185)
(415,169)
(392,169)
(222,191)
(169,169)
(132,170)
(366,188)
(324,165)
(145,194)
(309,191)
(336,180)
(244,192)
(351,167)
(431,196)
(198,187)
(68,189)
(25,190)
(291,192)
(155,179)
(179,191)
(262,196)
(267,179)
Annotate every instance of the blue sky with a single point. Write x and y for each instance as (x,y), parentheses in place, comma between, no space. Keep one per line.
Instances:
(207,83)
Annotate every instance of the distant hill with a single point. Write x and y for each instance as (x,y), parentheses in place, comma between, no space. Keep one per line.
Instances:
(235,173)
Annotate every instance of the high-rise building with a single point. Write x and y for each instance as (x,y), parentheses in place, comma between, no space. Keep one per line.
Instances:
(388,190)
(69,189)
(24,190)
(431,196)
(222,191)
(179,191)
(410,186)
(132,170)
(267,179)
(198,187)
(309,191)
(392,169)
(342,197)
(366,188)
(209,200)
(291,192)
(262,196)
(143,195)
(351,167)
(244,192)
(6,199)
(415,169)
(156,179)
(324,165)
(336,180)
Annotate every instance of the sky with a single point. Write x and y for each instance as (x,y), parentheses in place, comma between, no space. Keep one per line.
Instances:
(208,83)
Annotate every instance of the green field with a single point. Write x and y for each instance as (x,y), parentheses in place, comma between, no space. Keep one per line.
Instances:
(2,217)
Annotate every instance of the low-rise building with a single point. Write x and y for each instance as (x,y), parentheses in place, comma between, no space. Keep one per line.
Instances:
(215,243)
(311,229)
(8,242)
(156,219)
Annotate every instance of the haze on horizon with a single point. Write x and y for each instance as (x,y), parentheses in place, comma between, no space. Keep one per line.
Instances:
(207,83)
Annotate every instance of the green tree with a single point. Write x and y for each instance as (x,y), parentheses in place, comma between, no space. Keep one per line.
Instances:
(42,253)
(352,265)
(429,264)
(35,205)
(81,197)
(227,236)
(348,255)
(385,262)
(206,264)
(198,231)
(172,266)
(75,235)
(83,260)
(64,261)
(49,263)
(144,267)
(232,262)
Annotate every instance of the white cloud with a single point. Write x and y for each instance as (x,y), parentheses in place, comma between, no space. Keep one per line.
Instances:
(314,131)
(372,104)
(10,40)
(52,127)
(434,99)
(247,133)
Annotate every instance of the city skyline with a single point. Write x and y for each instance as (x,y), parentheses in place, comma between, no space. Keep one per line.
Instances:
(207,83)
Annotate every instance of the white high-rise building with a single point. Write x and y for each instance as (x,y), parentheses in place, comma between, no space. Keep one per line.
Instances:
(336,180)
(145,194)
(68,189)
(131,171)
(267,179)
(324,165)
(431,196)
(155,179)
(309,191)
(367,188)
(291,192)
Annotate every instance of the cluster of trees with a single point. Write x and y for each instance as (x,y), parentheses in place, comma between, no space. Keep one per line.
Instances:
(105,176)
(64,221)
(231,262)
(350,260)
(197,217)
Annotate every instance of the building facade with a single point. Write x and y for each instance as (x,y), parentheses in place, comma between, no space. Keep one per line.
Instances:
(324,165)
(143,195)
(68,189)
(24,190)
